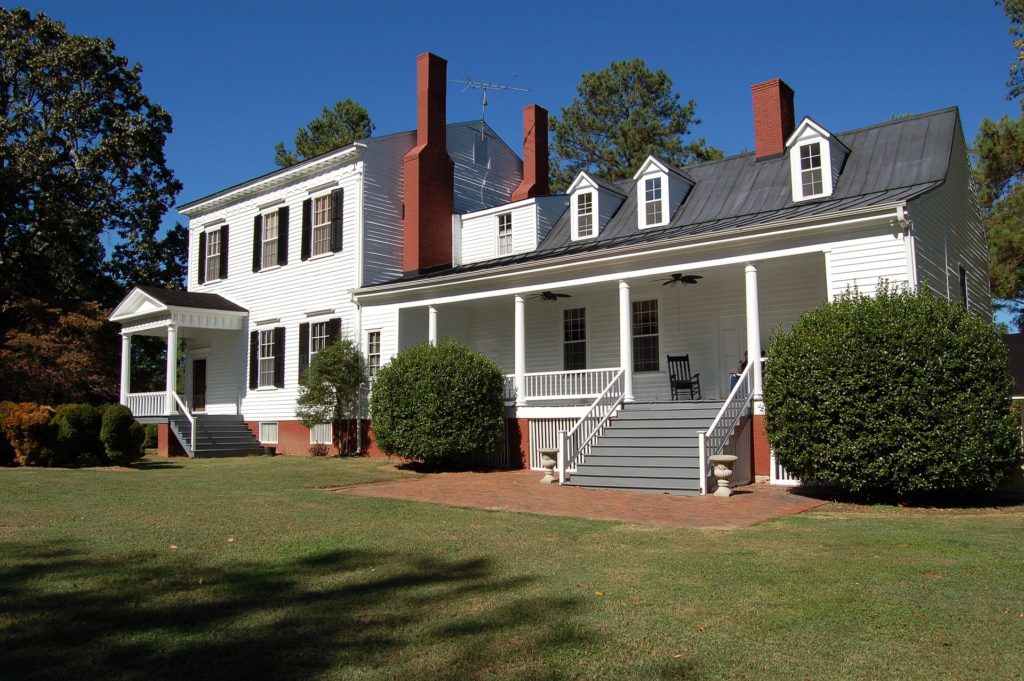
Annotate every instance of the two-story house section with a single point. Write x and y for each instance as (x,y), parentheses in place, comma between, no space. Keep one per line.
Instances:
(273,262)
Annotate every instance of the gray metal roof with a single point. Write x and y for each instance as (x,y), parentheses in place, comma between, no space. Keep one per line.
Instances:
(204,301)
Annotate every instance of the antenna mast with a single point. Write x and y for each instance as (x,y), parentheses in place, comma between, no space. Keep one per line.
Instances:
(471,84)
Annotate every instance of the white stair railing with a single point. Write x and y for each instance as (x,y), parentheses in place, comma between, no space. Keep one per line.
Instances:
(716,437)
(191,421)
(147,404)
(575,444)
(562,385)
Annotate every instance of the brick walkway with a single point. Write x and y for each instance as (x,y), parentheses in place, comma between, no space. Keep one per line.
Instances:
(520,491)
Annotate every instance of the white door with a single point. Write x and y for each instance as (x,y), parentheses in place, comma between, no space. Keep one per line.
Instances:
(732,341)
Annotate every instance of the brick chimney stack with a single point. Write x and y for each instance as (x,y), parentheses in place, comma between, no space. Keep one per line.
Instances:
(535,154)
(429,174)
(774,120)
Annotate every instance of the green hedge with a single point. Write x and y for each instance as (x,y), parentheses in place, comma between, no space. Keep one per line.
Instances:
(898,394)
(78,435)
(122,436)
(439,404)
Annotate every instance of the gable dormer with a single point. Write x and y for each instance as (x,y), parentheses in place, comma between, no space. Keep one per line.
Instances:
(592,203)
(660,189)
(816,158)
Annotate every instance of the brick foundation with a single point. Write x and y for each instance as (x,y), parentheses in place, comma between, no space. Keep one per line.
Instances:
(762,452)
(517,434)
(166,444)
(293,438)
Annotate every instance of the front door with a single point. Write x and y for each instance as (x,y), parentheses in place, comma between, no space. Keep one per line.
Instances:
(199,385)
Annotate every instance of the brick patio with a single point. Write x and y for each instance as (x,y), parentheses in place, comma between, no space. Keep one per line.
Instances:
(520,491)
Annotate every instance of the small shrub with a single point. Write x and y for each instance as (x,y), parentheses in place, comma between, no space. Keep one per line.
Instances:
(439,404)
(78,435)
(319,449)
(152,439)
(898,394)
(28,428)
(6,450)
(122,436)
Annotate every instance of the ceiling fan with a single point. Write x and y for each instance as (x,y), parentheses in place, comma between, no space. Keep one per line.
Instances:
(680,278)
(549,296)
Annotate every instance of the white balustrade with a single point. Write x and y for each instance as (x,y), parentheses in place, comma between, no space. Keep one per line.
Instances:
(148,404)
(563,385)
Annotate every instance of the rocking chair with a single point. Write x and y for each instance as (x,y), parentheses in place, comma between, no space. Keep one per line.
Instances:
(680,378)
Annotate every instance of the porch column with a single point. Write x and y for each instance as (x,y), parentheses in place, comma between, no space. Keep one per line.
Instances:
(172,366)
(626,341)
(126,366)
(432,324)
(753,331)
(520,335)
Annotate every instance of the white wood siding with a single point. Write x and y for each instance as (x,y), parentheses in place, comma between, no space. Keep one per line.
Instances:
(383,187)
(860,262)
(226,355)
(948,234)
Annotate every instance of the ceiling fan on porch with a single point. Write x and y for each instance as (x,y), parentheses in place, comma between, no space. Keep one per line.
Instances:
(549,296)
(680,278)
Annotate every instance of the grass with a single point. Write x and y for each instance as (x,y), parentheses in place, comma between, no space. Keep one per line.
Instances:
(242,569)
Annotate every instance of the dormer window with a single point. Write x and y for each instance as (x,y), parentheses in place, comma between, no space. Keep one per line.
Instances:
(585,215)
(505,234)
(816,159)
(660,189)
(652,201)
(810,169)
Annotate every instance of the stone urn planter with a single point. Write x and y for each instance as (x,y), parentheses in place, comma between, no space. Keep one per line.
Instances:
(549,459)
(722,471)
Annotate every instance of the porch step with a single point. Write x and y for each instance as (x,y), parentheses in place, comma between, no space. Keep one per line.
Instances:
(215,435)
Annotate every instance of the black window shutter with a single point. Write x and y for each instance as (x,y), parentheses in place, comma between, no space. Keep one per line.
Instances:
(257,243)
(282,236)
(254,360)
(337,209)
(334,330)
(279,357)
(224,252)
(202,257)
(307,227)
(303,348)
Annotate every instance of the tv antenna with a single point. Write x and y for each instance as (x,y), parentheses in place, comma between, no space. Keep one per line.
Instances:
(470,84)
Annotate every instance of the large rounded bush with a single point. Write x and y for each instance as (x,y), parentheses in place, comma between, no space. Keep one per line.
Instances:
(29,430)
(439,404)
(122,436)
(900,394)
(78,435)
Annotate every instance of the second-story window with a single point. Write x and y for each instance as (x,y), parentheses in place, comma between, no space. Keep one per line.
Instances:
(652,200)
(505,234)
(212,261)
(322,224)
(269,239)
(810,169)
(585,215)
(319,337)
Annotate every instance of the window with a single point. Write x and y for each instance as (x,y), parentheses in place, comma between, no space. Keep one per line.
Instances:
(585,215)
(269,239)
(645,335)
(810,169)
(267,358)
(963,286)
(319,337)
(373,353)
(321,434)
(213,255)
(505,234)
(652,200)
(574,339)
(268,432)
(322,224)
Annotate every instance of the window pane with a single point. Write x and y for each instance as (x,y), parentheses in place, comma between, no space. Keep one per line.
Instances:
(574,337)
(213,255)
(321,224)
(585,214)
(810,169)
(505,234)
(318,338)
(270,239)
(645,335)
(267,358)
(373,352)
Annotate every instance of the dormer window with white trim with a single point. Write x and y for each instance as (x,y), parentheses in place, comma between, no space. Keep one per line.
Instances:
(592,204)
(505,234)
(660,189)
(585,215)
(652,201)
(816,159)
(810,169)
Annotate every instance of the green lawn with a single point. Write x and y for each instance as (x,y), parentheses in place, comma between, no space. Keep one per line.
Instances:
(242,569)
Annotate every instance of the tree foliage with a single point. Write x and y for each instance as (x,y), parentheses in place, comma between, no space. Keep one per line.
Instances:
(900,394)
(621,115)
(329,390)
(335,127)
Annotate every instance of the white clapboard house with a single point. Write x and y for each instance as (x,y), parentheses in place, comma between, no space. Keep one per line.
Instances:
(589,300)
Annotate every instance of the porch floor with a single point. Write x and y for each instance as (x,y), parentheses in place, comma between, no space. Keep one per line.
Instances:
(521,491)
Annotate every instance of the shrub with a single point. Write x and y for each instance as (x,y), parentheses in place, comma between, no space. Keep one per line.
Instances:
(898,394)
(330,389)
(441,405)
(122,435)
(6,450)
(152,438)
(28,428)
(78,435)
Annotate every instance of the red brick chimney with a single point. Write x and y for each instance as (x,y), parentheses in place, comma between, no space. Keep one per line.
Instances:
(429,174)
(535,154)
(773,116)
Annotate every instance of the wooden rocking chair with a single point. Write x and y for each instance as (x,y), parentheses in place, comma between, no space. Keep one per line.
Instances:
(680,378)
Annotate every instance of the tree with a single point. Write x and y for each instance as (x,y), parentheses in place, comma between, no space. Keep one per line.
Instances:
(999,155)
(329,390)
(620,116)
(336,127)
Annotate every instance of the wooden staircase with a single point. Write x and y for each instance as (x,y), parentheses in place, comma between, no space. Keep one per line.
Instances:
(215,436)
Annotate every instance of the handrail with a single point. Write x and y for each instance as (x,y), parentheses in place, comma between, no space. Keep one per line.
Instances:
(713,440)
(191,422)
(574,445)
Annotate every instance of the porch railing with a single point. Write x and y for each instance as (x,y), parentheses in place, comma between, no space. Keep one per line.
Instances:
(147,404)
(576,443)
(716,437)
(562,385)
(191,422)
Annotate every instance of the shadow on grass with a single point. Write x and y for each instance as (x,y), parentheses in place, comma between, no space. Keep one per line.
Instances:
(335,614)
(939,500)
(158,465)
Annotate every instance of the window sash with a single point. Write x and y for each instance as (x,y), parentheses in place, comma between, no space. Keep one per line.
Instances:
(268,432)
(212,255)
(810,169)
(321,434)
(505,234)
(652,197)
(267,358)
(373,353)
(269,239)
(585,214)
(645,336)
(318,337)
(574,339)
(322,224)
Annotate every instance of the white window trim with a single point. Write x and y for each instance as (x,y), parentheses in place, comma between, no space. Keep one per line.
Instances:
(313,226)
(595,212)
(263,241)
(809,132)
(497,235)
(585,341)
(260,359)
(366,349)
(641,200)
(661,334)
(206,256)
(277,433)
(315,430)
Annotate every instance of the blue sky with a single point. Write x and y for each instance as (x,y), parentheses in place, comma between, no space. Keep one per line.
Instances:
(238,77)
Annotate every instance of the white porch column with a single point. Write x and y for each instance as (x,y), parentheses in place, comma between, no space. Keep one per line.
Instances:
(172,366)
(626,341)
(126,366)
(432,324)
(520,336)
(753,330)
